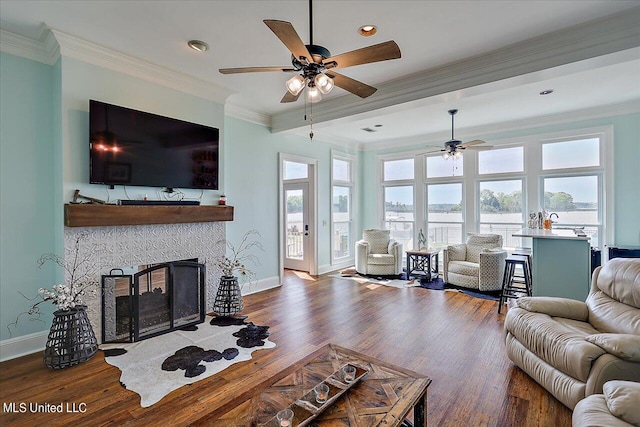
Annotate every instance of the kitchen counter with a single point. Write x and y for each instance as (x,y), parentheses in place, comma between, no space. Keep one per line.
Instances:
(561,262)
(554,233)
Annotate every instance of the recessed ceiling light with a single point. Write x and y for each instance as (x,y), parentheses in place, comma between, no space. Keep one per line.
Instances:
(198,45)
(546,92)
(367,30)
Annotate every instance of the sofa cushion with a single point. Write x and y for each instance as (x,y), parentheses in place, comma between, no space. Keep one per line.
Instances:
(623,400)
(619,278)
(381,259)
(561,343)
(477,242)
(464,268)
(555,307)
(378,240)
(623,346)
(593,411)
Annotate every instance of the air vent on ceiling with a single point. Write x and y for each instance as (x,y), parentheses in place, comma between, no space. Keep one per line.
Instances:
(369,130)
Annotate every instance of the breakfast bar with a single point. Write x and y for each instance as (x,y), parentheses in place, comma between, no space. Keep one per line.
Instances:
(561,262)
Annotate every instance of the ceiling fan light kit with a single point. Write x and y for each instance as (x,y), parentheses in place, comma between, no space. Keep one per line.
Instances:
(317,67)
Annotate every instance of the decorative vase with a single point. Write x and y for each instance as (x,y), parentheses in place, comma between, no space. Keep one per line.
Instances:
(228,300)
(71,339)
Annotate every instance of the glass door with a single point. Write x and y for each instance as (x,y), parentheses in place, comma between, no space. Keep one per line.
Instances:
(296,239)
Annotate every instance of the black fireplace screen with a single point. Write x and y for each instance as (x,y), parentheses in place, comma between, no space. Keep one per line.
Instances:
(153,301)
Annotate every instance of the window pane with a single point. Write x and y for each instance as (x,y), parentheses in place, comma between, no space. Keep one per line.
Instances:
(506,231)
(341,204)
(574,199)
(398,169)
(341,239)
(438,167)
(501,201)
(444,202)
(501,160)
(293,170)
(441,235)
(341,170)
(571,154)
(398,213)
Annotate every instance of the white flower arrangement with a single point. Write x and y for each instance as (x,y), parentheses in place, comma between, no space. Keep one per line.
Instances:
(237,258)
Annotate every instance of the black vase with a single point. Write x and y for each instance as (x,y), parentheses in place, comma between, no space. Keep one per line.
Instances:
(71,339)
(228,300)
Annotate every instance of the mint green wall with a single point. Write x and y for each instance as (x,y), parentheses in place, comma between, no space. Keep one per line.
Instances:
(81,82)
(251,175)
(626,132)
(28,182)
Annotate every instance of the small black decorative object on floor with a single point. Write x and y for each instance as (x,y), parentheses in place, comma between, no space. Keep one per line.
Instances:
(228,300)
(71,339)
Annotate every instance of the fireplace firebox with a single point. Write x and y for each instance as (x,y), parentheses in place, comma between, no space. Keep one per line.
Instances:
(156,299)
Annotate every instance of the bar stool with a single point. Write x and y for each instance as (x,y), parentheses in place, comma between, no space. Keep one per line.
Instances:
(528,253)
(509,290)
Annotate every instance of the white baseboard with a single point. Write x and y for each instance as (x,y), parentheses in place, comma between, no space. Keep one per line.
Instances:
(21,346)
(261,285)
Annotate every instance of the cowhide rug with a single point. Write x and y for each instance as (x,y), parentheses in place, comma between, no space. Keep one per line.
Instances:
(157,366)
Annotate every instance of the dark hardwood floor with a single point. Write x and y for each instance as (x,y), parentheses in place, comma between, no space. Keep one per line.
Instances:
(454,339)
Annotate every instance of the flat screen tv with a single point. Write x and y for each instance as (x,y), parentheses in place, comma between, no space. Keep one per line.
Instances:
(130,147)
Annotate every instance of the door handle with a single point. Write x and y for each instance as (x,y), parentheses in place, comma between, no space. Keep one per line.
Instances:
(306,229)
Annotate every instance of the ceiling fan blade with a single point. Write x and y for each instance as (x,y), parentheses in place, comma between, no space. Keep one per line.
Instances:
(481,148)
(255,70)
(434,150)
(474,142)
(287,35)
(354,86)
(288,97)
(366,55)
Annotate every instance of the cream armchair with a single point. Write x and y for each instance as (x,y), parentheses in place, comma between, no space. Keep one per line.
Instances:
(477,264)
(378,254)
(572,348)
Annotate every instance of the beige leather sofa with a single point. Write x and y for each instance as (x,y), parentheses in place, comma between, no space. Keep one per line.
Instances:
(572,348)
(618,406)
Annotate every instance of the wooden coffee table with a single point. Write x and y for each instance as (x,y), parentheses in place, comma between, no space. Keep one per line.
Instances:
(384,397)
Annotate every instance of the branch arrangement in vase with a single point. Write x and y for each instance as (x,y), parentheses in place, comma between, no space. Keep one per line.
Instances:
(236,258)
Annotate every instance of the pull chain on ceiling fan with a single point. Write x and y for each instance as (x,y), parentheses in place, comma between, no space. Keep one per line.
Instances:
(317,67)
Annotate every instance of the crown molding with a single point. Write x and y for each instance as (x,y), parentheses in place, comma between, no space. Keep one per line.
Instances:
(243,113)
(436,139)
(611,34)
(83,50)
(44,50)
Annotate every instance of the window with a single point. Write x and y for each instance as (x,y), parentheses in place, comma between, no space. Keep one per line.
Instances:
(294,170)
(503,160)
(341,206)
(501,209)
(396,170)
(399,213)
(437,167)
(572,184)
(445,217)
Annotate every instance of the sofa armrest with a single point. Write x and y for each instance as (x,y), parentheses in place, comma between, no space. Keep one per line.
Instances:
(555,307)
(622,399)
(624,346)
(395,249)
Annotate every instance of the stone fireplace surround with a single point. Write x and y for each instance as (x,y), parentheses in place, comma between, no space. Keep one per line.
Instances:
(111,247)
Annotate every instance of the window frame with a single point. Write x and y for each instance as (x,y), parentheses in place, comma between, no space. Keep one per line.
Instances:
(350,184)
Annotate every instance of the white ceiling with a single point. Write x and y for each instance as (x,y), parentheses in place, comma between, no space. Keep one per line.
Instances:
(430,34)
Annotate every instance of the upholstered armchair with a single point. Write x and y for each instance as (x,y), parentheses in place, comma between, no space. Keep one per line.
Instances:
(572,348)
(377,254)
(476,264)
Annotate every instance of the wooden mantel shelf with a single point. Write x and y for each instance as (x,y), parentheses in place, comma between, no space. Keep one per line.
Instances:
(91,215)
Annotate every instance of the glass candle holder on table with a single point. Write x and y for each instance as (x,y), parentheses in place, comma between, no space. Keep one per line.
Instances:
(285,418)
(322,392)
(349,373)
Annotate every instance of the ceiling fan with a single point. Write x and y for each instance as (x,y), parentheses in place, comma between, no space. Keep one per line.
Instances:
(454,147)
(316,66)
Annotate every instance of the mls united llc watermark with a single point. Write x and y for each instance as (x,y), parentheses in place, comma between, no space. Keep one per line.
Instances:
(33,407)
